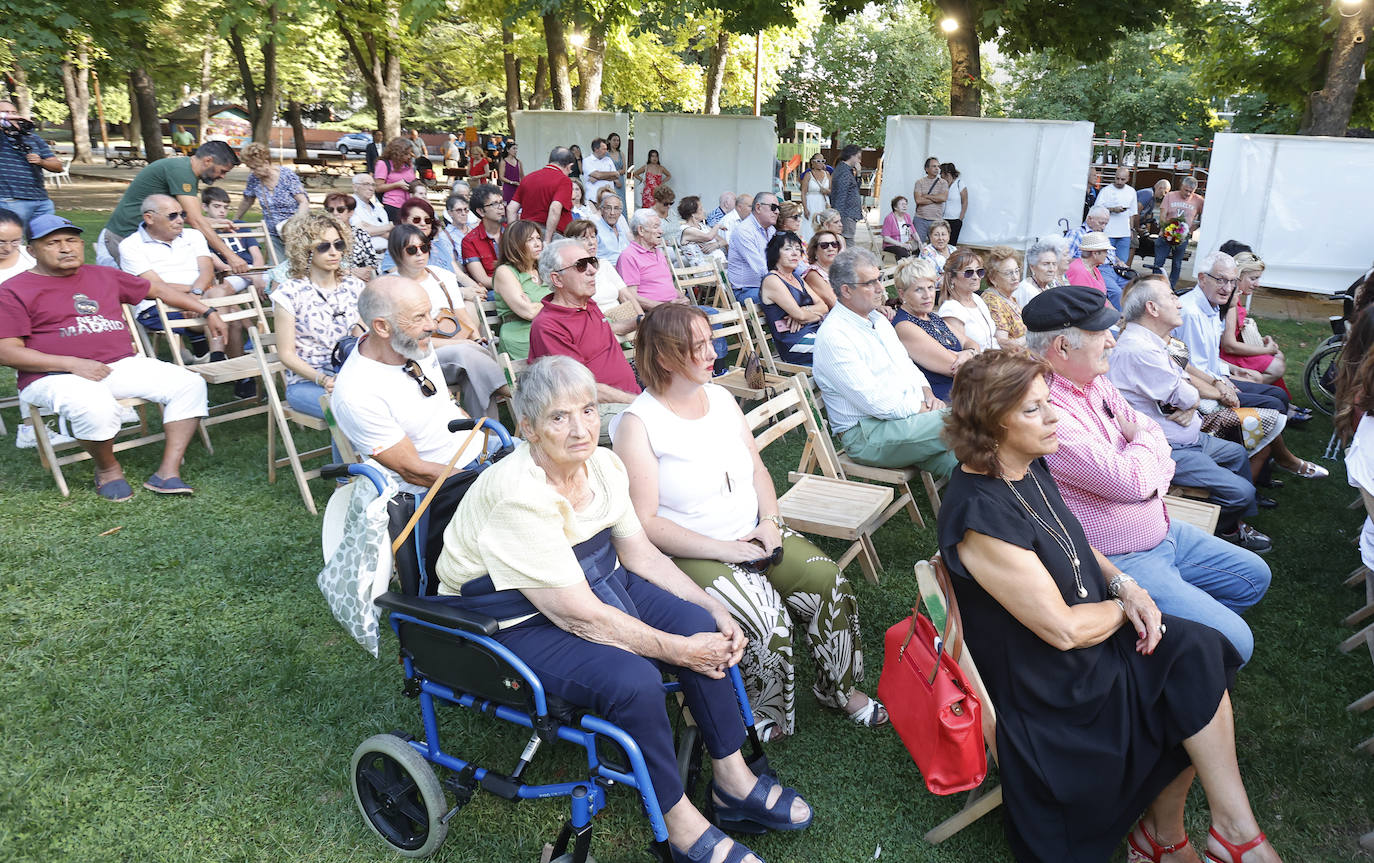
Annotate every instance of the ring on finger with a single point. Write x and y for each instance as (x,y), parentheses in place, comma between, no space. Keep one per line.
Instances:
(1163,628)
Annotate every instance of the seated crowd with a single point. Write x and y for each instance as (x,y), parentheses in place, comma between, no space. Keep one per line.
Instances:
(1059,423)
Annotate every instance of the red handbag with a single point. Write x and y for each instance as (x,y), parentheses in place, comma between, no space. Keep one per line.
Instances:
(931,703)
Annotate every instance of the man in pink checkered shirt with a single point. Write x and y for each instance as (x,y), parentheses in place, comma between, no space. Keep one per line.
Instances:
(1113,468)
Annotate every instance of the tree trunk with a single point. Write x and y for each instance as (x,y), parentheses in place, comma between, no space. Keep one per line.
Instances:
(100,113)
(541,84)
(512,75)
(293,116)
(715,71)
(150,125)
(131,131)
(23,97)
(76,87)
(557,47)
(251,100)
(591,66)
(267,107)
(965,70)
(207,56)
(380,66)
(1328,109)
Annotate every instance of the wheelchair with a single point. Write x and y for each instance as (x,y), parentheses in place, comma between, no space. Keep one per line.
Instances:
(449,656)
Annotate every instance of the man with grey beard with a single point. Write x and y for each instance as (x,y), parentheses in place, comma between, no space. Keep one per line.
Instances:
(389,398)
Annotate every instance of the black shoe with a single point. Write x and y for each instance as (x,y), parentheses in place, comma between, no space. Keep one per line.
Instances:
(1266,502)
(1250,539)
(218,356)
(245,389)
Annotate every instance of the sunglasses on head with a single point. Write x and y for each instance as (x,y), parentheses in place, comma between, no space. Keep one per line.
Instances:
(828,244)
(337,245)
(417,374)
(421,249)
(978,273)
(582,265)
(763,563)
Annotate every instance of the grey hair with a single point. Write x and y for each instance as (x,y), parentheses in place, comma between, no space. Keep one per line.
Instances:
(1039,343)
(150,203)
(911,268)
(363,179)
(1147,289)
(1095,211)
(1061,246)
(561,156)
(547,379)
(378,300)
(552,257)
(1189,183)
(1040,247)
(844,269)
(1209,263)
(754,201)
(640,219)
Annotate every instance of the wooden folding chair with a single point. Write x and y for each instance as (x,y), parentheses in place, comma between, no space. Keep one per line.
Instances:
(243,308)
(704,284)
(265,355)
(1198,513)
(54,457)
(828,504)
(489,323)
(1362,574)
(764,344)
(729,324)
(981,800)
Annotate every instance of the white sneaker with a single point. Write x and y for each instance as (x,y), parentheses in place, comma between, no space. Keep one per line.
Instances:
(26,439)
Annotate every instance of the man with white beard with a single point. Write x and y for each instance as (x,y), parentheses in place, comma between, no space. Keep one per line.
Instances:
(389,398)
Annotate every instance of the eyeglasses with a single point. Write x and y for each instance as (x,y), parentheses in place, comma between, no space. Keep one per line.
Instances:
(417,374)
(11,244)
(828,244)
(421,249)
(978,273)
(871,283)
(172,217)
(343,209)
(494,203)
(1230,283)
(581,265)
(337,245)
(420,220)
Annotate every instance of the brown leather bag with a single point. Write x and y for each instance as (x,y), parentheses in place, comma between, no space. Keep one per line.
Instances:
(452,321)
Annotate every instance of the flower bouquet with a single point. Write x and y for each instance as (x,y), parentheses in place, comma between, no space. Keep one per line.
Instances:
(1174,232)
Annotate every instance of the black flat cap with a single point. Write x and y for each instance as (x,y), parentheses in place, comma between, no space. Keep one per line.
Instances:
(1070,306)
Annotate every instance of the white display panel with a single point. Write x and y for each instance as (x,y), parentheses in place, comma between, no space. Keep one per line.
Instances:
(1298,201)
(709,154)
(538,132)
(1022,176)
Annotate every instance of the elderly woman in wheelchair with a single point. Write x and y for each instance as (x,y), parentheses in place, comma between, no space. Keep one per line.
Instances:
(547,542)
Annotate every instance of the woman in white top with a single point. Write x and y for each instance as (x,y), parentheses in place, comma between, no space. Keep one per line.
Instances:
(581,209)
(815,189)
(14,258)
(705,498)
(963,310)
(466,361)
(700,243)
(611,290)
(956,205)
(938,250)
(1042,268)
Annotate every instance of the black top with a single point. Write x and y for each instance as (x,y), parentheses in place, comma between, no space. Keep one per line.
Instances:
(1086,738)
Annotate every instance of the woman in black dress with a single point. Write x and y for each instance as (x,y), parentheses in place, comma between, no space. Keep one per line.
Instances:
(1106,709)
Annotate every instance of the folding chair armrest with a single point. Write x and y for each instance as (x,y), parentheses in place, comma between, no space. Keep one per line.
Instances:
(438,613)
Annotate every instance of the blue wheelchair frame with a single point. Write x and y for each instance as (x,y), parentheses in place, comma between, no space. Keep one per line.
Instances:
(421,624)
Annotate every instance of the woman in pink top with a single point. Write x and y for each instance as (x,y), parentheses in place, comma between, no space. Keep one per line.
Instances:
(395,171)
(1083,270)
(899,232)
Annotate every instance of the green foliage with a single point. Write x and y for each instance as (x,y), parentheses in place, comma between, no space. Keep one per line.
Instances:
(854,73)
(1085,29)
(1145,86)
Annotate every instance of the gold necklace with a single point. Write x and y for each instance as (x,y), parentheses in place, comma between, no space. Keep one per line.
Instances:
(1065,542)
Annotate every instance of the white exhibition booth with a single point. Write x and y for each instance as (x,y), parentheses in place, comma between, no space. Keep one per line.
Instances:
(706,154)
(1022,176)
(1297,201)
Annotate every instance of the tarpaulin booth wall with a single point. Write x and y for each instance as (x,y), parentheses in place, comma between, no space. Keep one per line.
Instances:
(709,154)
(538,132)
(1022,176)
(1298,201)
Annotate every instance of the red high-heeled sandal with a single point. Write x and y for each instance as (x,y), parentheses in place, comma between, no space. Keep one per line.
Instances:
(1136,854)
(1235,851)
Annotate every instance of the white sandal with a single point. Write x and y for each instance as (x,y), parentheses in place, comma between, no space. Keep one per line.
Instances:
(871,715)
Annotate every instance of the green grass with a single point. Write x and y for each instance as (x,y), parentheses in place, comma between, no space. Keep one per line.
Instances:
(178,691)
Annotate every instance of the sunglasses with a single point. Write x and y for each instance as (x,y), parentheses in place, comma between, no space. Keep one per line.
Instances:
(337,245)
(172,217)
(581,265)
(763,563)
(344,209)
(420,220)
(828,244)
(773,207)
(417,374)
(421,249)
(978,273)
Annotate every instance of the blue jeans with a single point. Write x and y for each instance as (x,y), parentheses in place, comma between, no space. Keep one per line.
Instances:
(28,210)
(1123,248)
(1173,253)
(1202,578)
(1223,468)
(1114,284)
(304,396)
(742,294)
(718,343)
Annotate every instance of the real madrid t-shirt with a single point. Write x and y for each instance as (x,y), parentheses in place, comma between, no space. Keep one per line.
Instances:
(163,177)
(70,316)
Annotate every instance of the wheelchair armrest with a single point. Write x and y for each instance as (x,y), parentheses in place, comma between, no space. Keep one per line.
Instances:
(438,613)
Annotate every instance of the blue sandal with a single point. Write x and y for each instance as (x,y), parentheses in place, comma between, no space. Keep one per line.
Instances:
(703,848)
(750,815)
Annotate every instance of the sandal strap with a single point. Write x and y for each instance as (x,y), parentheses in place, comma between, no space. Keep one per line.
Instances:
(1236,851)
(705,846)
(1157,849)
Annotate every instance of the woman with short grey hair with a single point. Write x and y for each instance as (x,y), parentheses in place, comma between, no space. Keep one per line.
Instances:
(1042,267)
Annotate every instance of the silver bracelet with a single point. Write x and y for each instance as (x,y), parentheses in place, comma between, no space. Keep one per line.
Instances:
(1119,604)
(1114,586)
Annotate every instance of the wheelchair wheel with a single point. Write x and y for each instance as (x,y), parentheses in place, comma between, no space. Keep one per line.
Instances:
(399,795)
(1319,377)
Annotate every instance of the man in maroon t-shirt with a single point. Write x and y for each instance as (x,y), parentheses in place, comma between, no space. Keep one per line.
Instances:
(571,324)
(481,244)
(62,329)
(545,196)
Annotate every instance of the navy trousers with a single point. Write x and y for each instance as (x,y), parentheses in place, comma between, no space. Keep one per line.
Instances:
(1253,395)
(1223,468)
(627,689)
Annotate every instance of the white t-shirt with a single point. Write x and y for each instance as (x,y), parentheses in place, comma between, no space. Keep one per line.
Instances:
(1119,224)
(377,405)
(22,263)
(609,284)
(592,164)
(954,203)
(731,219)
(177,262)
(370,214)
(705,472)
(436,281)
(977,321)
(1025,292)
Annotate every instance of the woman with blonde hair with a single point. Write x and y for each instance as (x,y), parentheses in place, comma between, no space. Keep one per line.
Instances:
(928,340)
(275,188)
(830,220)
(1245,347)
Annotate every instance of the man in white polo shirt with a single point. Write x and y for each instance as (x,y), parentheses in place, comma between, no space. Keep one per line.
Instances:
(370,215)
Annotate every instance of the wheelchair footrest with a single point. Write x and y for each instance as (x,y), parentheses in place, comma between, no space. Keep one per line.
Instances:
(463,785)
(502,785)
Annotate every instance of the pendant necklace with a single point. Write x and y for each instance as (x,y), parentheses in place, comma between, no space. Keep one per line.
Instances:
(1065,542)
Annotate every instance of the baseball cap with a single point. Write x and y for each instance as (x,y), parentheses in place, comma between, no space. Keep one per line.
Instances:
(47,223)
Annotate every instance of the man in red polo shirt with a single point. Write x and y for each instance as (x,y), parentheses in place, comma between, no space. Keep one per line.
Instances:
(572,325)
(479,246)
(545,196)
